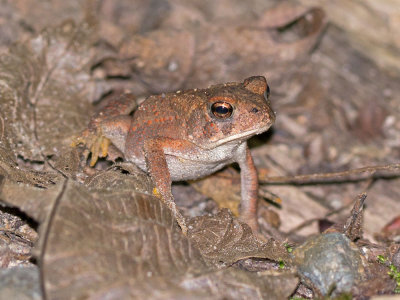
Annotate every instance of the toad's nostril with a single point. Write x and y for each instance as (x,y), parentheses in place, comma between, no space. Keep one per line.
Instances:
(254,110)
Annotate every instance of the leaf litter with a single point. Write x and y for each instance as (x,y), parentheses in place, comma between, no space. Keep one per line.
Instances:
(103,234)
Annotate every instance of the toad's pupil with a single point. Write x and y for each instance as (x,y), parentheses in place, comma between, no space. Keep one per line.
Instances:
(221,110)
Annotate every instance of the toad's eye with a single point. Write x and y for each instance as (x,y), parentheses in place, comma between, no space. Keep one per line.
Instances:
(266,93)
(221,110)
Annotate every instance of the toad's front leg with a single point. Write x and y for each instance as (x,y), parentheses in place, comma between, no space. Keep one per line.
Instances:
(249,188)
(154,150)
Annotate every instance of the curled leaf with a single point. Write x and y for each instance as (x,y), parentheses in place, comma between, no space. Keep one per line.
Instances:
(223,239)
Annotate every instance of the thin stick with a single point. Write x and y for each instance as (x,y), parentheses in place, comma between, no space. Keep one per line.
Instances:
(352,175)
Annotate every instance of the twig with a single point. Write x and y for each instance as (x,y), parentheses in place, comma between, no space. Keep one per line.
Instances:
(349,175)
(2,128)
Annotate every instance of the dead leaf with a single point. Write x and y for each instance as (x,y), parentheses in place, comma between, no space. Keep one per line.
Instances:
(35,16)
(161,55)
(114,239)
(197,56)
(353,226)
(45,91)
(237,284)
(20,283)
(10,168)
(95,237)
(68,163)
(222,239)
(390,232)
(223,187)
(35,202)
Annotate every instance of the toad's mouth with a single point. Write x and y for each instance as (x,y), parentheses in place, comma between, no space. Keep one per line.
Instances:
(240,137)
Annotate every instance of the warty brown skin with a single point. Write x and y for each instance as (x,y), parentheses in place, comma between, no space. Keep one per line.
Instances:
(188,135)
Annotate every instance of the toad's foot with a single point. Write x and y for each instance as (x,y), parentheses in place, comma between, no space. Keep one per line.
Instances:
(96,142)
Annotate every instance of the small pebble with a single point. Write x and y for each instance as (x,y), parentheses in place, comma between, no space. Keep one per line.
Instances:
(330,262)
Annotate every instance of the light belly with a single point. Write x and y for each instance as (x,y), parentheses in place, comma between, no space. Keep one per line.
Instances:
(198,163)
(182,169)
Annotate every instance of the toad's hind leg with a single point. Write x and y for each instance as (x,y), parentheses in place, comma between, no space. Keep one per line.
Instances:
(110,124)
(117,106)
(116,130)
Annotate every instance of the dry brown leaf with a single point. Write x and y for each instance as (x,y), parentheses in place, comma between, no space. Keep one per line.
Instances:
(222,239)
(35,202)
(100,238)
(45,91)
(68,163)
(200,55)
(32,16)
(237,284)
(161,55)
(10,168)
(353,226)
(114,239)
(20,283)
(371,25)
(123,177)
(223,187)
(121,243)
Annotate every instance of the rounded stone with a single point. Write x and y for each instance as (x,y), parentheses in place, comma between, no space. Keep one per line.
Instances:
(329,263)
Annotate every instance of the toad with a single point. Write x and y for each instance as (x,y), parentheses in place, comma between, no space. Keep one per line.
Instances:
(187,135)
